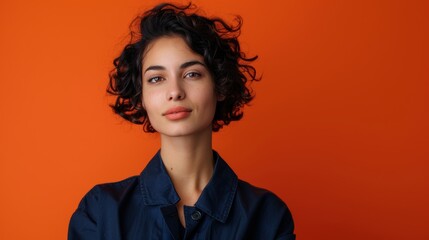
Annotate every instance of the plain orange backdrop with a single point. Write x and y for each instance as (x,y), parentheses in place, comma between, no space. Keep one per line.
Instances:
(338,129)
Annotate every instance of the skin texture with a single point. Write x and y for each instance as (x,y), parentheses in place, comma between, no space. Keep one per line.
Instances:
(176,81)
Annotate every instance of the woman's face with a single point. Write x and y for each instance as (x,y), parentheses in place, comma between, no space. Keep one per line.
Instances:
(178,90)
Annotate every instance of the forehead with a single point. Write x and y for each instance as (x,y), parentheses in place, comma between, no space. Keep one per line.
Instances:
(168,50)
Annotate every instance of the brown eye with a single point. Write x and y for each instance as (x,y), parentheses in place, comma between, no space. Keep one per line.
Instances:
(192,75)
(154,79)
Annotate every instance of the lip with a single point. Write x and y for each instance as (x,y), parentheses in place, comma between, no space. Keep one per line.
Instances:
(177,113)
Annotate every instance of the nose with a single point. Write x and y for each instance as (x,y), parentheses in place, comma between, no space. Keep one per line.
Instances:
(175,91)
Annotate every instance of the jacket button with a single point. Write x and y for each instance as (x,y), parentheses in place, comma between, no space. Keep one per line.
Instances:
(196,215)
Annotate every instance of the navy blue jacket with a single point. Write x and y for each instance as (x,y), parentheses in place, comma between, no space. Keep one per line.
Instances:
(144,207)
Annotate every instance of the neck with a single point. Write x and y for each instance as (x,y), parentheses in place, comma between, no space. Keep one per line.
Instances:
(189,162)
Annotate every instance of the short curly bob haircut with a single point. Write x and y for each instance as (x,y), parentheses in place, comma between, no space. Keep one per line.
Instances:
(211,38)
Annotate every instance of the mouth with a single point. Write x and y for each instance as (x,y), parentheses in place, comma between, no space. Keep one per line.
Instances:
(177,113)
(176,110)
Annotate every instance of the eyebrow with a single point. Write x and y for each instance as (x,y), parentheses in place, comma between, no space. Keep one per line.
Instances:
(184,65)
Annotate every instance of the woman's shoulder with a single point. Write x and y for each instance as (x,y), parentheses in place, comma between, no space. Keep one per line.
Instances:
(101,204)
(260,201)
(113,190)
(117,188)
(260,206)
(252,193)
(102,196)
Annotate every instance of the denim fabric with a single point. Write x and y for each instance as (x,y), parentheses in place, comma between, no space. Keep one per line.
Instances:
(144,207)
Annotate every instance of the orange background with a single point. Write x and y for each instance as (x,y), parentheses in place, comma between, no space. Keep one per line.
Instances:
(338,129)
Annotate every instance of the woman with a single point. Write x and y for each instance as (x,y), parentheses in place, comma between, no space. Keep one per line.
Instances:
(184,77)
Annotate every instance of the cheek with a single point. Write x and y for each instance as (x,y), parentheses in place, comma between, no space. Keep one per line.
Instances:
(208,99)
(150,101)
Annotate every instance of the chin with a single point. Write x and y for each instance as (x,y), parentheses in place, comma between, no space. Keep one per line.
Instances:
(182,131)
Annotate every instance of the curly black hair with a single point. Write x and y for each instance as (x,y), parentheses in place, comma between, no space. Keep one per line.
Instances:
(212,38)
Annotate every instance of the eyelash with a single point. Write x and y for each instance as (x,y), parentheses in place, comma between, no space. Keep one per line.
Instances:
(196,75)
(152,80)
(189,75)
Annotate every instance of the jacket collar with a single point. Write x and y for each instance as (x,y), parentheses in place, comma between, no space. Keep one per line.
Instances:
(215,200)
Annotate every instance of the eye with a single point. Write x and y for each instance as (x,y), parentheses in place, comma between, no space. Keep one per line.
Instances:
(192,75)
(154,79)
